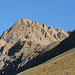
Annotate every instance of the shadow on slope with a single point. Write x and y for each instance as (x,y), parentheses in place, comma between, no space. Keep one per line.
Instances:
(10,69)
(64,46)
(15,48)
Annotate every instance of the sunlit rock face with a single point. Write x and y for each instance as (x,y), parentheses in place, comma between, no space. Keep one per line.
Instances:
(26,29)
(2,43)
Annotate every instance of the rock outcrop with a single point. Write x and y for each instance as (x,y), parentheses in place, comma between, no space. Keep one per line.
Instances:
(71,32)
(2,43)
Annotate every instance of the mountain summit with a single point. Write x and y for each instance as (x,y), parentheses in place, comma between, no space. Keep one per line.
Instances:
(30,31)
(24,41)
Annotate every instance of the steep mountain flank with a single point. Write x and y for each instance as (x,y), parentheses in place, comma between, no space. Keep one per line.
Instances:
(24,42)
(63,64)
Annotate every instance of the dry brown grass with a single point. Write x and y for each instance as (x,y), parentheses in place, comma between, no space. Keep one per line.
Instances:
(64,65)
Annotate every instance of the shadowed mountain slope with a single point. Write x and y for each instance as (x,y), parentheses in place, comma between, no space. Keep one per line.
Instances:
(64,46)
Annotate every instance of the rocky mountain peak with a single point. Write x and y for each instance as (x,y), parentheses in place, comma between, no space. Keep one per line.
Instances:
(45,27)
(59,30)
(71,32)
(24,41)
(26,20)
(50,27)
(31,31)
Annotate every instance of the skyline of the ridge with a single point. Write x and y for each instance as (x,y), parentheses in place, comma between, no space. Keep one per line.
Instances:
(56,13)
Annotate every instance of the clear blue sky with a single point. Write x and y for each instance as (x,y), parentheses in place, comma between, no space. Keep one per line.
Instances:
(58,13)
